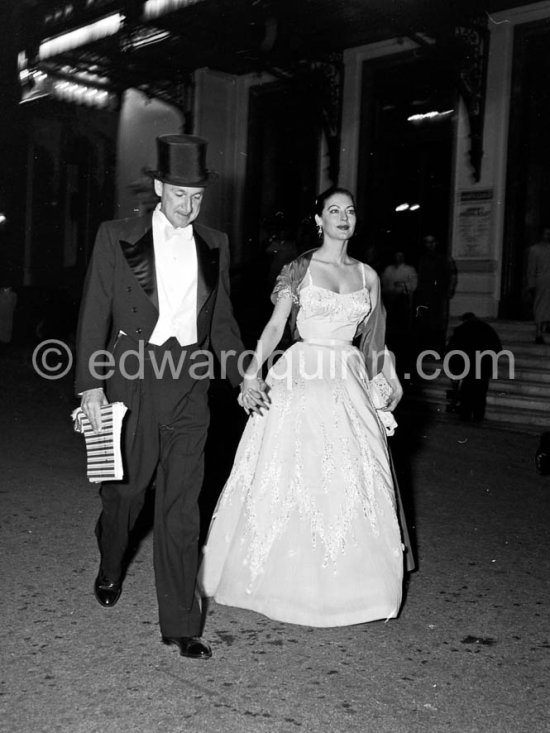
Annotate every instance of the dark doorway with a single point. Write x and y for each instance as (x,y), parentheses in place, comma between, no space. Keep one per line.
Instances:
(283,148)
(405,155)
(528,173)
(281,183)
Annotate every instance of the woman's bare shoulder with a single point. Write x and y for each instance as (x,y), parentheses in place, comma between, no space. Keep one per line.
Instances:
(370,273)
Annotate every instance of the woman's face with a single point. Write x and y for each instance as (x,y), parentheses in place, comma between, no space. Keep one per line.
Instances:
(338,217)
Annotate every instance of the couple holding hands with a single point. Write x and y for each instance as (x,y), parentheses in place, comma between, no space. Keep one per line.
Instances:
(308,528)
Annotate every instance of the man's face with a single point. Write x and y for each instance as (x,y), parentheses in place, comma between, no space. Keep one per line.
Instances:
(430,243)
(179,204)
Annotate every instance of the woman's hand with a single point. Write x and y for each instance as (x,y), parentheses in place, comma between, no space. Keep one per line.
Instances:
(396,395)
(253,396)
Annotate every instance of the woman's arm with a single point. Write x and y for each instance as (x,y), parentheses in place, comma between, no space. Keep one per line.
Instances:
(253,396)
(388,370)
(382,360)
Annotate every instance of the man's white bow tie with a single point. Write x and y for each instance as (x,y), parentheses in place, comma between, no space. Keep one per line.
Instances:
(185,234)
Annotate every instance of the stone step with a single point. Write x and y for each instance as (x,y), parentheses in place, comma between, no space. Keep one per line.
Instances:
(504,323)
(508,331)
(530,369)
(531,383)
(530,420)
(520,402)
(534,421)
(536,352)
(514,386)
(516,400)
(524,337)
(512,330)
(541,376)
(531,363)
(523,349)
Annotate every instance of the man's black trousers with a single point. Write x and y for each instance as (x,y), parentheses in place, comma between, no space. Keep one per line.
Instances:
(163,442)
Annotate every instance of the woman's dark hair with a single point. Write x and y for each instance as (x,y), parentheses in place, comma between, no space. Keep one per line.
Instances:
(322,197)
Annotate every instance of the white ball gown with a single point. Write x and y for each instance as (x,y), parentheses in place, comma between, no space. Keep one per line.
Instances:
(306,529)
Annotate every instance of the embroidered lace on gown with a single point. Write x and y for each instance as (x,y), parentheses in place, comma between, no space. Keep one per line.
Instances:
(306,530)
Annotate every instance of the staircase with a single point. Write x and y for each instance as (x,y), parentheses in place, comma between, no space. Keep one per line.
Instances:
(520,397)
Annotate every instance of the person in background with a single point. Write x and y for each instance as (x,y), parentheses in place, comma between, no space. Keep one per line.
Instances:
(399,281)
(437,280)
(280,246)
(472,337)
(538,280)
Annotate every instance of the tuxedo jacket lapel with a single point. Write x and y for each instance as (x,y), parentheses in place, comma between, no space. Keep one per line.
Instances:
(140,256)
(208,260)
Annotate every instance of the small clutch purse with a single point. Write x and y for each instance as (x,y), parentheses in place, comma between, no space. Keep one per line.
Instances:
(380,392)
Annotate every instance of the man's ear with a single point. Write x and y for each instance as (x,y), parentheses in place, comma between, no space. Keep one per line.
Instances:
(158,187)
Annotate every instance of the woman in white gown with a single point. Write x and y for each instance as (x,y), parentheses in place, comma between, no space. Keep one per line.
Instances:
(306,529)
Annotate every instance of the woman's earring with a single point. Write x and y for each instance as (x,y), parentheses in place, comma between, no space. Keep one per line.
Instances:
(319,230)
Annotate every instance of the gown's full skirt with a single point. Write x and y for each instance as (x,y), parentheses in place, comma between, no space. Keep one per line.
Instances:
(306,529)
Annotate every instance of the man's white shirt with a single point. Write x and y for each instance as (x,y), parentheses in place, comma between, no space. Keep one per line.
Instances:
(177,275)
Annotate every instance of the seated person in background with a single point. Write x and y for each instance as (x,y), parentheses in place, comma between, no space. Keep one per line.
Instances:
(471,338)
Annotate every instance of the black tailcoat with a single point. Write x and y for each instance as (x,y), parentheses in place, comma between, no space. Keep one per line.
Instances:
(167,421)
(120,294)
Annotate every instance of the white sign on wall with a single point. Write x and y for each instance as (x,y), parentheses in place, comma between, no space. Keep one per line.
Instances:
(474,221)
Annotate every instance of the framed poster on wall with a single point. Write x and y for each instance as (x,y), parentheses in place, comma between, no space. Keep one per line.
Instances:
(474,220)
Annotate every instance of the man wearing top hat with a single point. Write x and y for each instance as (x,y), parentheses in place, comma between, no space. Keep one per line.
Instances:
(157,292)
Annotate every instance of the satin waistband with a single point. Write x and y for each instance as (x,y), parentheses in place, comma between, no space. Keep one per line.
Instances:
(327,342)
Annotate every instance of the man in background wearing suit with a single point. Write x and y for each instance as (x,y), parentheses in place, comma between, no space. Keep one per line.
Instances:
(157,292)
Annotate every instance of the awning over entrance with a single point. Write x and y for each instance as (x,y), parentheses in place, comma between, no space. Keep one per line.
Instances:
(151,45)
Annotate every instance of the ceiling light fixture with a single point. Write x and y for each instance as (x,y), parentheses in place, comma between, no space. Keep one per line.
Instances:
(154,8)
(148,39)
(103,28)
(433,115)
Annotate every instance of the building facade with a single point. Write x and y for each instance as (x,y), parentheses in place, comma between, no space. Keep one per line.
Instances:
(427,147)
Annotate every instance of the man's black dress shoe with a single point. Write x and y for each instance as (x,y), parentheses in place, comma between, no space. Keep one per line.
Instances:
(190,646)
(107,592)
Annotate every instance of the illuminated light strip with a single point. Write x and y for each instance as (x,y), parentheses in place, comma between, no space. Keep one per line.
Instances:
(73,39)
(149,40)
(81,94)
(429,115)
(69,91)
(154,8)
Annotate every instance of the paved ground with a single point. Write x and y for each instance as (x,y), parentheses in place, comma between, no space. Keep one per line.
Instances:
(470,651)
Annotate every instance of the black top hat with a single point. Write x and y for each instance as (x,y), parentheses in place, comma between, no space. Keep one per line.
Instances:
(181,161)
